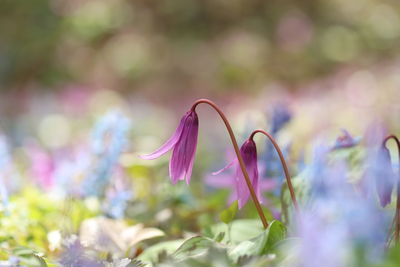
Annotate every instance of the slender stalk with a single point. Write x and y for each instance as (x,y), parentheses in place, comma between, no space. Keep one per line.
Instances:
(284,165)
(239,157)
(397,214)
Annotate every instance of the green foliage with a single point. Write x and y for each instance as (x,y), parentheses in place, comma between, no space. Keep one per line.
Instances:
(262,244)
(32,216)
(229,214)
(239,230)
(198,250)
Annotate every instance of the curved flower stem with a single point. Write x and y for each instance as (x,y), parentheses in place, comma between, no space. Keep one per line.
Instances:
(239,157)
(284,165)
(397,214)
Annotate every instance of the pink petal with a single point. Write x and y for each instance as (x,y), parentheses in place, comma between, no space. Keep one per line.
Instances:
(248,152)
(192,147)
(189,169)
(221,181)
(262,199)
(224,168)
(183,155)
(232,198)
(267,185)
(169,144)
(241,188)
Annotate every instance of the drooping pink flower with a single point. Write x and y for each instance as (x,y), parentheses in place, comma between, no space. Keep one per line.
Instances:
(184,143)
(248,151)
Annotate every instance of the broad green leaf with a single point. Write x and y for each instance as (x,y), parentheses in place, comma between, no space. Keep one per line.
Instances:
(276,233)
(23,251)
(193,246)
(240,230)
(29,257)
(151,254)
(219,237)
(41,261)
(262,244)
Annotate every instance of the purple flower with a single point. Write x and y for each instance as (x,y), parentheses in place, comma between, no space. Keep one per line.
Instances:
(183,142)
(229,182)
(248,151)
(75,254)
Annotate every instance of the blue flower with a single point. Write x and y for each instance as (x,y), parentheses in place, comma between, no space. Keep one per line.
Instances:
(280,116)
(109,139)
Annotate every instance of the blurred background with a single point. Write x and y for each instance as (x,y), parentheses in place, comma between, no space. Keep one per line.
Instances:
(189,48)
(168,52)
(87,85)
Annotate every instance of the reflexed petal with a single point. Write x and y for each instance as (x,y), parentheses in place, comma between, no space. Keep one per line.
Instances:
(267,184)
(169,144)
(221,181)
(225,168)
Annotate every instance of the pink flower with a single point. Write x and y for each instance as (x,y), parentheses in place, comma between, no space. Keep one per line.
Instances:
(184,143)
(248,151)
(228,181)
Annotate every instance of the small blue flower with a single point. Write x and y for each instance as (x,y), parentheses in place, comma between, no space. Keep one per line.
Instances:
(116,204)
(279,117)
(109,139)
(337,218)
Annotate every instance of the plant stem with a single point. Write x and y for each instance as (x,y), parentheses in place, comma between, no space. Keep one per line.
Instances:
(239,157)
(397,214)
(284,165)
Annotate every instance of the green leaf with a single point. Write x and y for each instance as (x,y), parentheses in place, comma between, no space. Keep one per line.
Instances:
(193,246)
(220,237)
(262,244)
(240,230)
(229,214)
(23,251)
(42,262)
(276,233)
(151,253)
